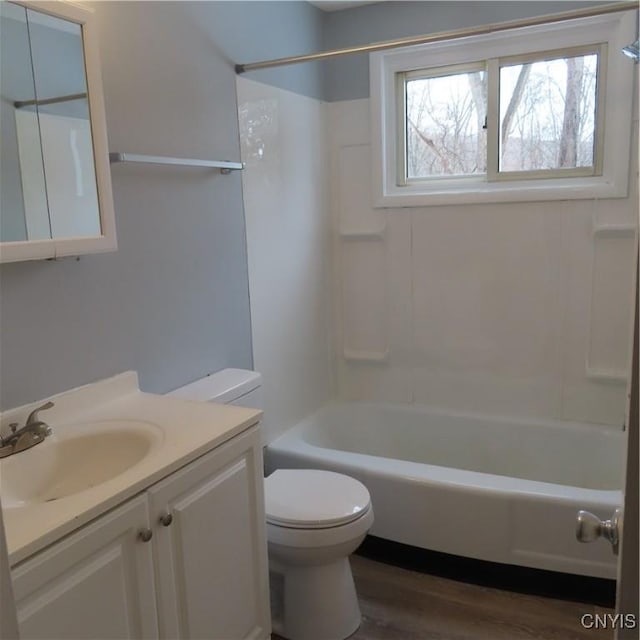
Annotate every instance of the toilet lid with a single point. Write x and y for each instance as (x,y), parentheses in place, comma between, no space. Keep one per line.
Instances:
(312,499)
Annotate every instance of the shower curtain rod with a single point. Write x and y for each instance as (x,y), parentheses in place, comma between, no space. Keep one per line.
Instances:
(442,35)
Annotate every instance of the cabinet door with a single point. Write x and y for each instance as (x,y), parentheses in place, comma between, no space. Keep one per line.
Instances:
(211,562)
(96,583)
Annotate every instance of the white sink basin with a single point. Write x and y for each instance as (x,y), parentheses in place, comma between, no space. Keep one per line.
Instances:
(75,459)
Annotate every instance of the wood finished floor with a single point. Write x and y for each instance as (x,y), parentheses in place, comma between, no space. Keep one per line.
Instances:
(398,604)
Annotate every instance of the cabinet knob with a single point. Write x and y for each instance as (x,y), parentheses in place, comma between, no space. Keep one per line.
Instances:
(145,534)
(166,519)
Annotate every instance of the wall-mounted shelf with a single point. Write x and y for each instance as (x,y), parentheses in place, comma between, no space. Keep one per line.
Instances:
(223,165)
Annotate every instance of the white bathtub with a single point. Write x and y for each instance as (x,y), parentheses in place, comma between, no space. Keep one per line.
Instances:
(503,490)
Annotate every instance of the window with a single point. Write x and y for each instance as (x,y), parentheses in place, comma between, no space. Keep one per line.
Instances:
(513,116)
(544,119)
(444,118)
(548,116)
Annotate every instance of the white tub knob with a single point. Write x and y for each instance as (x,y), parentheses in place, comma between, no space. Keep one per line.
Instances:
(589,528)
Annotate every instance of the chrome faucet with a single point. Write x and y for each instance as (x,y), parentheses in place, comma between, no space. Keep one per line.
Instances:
(33,432)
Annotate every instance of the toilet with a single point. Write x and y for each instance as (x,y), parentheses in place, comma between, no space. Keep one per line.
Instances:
(315,520)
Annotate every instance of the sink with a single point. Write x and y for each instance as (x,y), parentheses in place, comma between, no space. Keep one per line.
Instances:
(74,459)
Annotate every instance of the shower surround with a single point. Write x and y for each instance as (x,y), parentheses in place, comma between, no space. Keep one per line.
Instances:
(470,350)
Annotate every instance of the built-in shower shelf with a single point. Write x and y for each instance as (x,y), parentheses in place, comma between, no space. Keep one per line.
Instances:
(356,355)
(614,248)
(224,165)
(363,235)
(614,230)
(600,374)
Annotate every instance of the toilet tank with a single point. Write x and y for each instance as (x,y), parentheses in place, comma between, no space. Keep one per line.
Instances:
(229,386)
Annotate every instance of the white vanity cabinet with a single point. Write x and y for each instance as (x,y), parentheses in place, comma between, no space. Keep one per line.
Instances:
(201,574)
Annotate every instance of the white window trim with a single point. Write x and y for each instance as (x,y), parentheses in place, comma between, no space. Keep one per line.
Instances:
(615,31)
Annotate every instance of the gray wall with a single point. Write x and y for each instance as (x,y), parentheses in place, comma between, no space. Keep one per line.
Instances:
(347,77)
(252,31)
(172,302)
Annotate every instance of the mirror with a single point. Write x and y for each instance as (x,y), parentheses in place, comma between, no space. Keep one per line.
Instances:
(55,191)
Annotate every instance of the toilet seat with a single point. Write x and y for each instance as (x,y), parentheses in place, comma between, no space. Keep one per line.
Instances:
(295,537)
(314,499)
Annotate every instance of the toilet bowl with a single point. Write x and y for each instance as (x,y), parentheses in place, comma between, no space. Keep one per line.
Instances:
(315,520)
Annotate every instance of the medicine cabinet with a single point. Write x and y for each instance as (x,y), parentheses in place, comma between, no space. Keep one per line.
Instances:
(55,184)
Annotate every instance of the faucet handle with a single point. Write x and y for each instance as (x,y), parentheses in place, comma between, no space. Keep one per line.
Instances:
(33,416)
(13,426)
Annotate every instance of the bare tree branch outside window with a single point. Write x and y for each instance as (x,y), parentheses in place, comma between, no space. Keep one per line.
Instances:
(547,114)
(546,119)
(445,118)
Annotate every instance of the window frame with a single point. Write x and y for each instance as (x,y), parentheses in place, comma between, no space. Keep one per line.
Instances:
(607,179)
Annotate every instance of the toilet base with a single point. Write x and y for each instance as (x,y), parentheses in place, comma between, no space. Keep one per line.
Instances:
(315,602)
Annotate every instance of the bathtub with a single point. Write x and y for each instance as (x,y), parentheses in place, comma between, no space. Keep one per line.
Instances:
(496,489)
